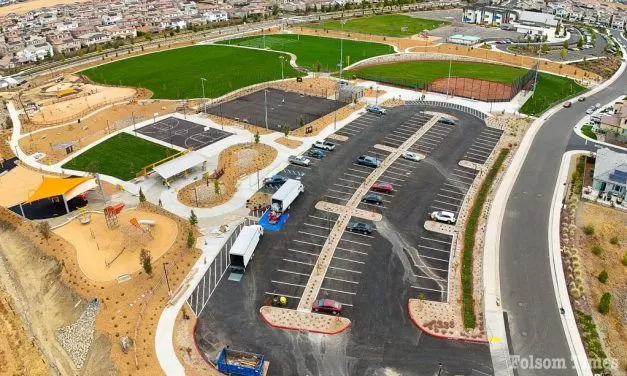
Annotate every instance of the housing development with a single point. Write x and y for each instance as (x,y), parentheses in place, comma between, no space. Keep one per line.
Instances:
(313,188)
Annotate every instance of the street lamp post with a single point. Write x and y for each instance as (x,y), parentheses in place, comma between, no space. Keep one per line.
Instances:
(204,101)
(448,83)
(341,47)
(166,277)
(439,369)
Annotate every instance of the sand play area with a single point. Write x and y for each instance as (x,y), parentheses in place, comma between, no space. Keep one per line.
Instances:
(97,246)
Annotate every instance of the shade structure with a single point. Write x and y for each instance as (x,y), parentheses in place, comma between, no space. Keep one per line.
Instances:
(53,187)
(178,165)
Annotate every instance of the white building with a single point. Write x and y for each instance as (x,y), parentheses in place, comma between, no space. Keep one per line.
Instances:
(91,39)
(36,52)
(215,16)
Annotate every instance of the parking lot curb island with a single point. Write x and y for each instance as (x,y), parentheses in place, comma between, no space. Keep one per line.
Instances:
(290,319)
(431,329)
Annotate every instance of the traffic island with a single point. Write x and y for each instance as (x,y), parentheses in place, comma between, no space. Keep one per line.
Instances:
(303,321)
(441,228)
(341,209)
(440,320)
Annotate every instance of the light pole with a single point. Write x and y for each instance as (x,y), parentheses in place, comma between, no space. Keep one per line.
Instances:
(166,277)
(439,369)
(282,59)
(341,47)
(204,101)
(265,106)
(448,83)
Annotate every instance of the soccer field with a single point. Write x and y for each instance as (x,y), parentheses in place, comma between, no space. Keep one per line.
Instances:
(176,74)
(422,72)
(315,53)
(121,156)
(393,25)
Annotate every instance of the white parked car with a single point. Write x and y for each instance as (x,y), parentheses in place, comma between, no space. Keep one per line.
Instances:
(443,216)
(590,110)
(299,160)
(324,145)
(411,156)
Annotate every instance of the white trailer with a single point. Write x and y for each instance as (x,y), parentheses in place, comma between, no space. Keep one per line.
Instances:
(283,198)
(242,250)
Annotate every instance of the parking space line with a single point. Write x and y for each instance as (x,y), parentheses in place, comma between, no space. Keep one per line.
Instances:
(287,296)
(473,174)
(442,132)
(287,283)
(291,272)
(460,182)
(380,194)
(318,226)
(304,242)
(397,173)
(340,291)
(308,233)
(355,176)
(342,192)
(373,205)
(359,234)
(342,280)
(396,138)
(349,260)
(447,203)
(391,178)
(298,262)
(405,163)
(434,249)
(405,133)
(345,186)
(451,185)
(435,240)
(430,278)
(429,267)
(482,147)
(344,270)
(324,219)
(303,252)
(337,198)
(463,177)
(424,288)
(352,133)
(452,198)
(439,208)
(482,155)
(352,241)
(478,151)
(455,192)
(399,168)
(479,141)
(432,137)
(360,171)
(433,258)
(352,250)
(475,159)
(352,181)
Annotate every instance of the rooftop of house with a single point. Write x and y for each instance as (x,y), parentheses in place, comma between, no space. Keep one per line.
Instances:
(611,166)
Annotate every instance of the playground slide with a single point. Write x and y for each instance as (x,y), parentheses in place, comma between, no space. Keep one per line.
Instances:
(147,222)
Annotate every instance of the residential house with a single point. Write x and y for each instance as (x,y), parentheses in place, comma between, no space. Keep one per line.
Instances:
(118,32)
(610,174)
(111,18)
(617,121)
(34,39)
(215,16)
(35,52)
(67,25)
(90,39)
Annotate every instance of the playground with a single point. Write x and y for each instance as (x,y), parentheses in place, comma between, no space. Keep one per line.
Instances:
(183,133)
(109,253)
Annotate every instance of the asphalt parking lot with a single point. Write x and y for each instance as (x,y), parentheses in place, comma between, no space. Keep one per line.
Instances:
(183,133)
(372,274)
(284,108)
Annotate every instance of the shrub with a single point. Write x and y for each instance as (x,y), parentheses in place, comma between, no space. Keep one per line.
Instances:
(614,240)
(142,196)
(44,229)
(603,276)
(597,250)
(625,259)
(190,239)
(145,259)
(604,304)
(588,230)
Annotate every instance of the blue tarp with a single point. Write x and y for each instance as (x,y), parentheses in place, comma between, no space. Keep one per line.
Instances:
(263,221)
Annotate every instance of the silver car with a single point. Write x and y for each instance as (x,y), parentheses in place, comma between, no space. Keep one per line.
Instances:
(443,216)
(299,160)
(411,156)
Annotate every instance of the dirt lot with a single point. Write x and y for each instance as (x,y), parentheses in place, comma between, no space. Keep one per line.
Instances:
(328,119)
(93,128)
(48,272)
(603,67)
(318,86)
(237,161)
(607,223)
(289,142)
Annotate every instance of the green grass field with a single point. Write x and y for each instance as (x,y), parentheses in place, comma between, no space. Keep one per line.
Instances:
(422,72)
(315,53)
(175,74)
(550,89)
(587,131)
(387,25)
(121,156)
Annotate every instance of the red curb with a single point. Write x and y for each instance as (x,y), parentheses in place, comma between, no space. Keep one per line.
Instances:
(200,352)
(440,336)
(300,329)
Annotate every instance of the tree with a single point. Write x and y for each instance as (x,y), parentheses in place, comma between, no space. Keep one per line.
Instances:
(565,44)
(580,42)
(142,196)
(145,259)
(563,53)
(190,239)
(604,304)
(216,187)
(544,48)
(193,219)
(257,137)
(44,229)
(275,10)
(286,130)
(558,28)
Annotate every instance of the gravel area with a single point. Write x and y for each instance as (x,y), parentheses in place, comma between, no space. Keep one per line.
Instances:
(76,338)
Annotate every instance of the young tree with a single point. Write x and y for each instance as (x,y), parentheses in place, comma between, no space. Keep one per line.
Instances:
(142,196)
(190,239)
(257,138)
(193,219)
(544,48)
(216,187)
(563,53)
(286,129)
(145,259)
(565,44)
(44,229)
(604,304)
(580,42)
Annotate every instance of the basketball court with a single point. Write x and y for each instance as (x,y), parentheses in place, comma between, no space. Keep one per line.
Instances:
(183,133)
(284,109)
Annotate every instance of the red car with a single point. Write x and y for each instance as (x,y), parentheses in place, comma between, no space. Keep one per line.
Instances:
(327,305)
(567,104)
(382,187)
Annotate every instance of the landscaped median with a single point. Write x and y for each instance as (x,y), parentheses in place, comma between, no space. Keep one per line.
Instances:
(468,302)
(305,321)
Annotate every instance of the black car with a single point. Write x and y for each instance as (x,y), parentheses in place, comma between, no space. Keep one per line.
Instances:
(275,180)
(364,228)
(446,121)
(315,153)
(372,199)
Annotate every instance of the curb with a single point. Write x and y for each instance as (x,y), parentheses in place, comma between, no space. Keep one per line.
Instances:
(440,336)
(303,330)
(200,352)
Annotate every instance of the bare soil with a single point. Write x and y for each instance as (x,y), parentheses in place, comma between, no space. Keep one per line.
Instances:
(237,161)
(607,223)
(603,67)
(289,142)
(472,88)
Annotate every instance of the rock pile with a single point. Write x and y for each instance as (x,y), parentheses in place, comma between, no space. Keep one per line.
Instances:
(76,338)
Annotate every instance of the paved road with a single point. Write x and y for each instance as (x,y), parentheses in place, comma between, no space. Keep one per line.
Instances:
(371,273)
(526,284)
